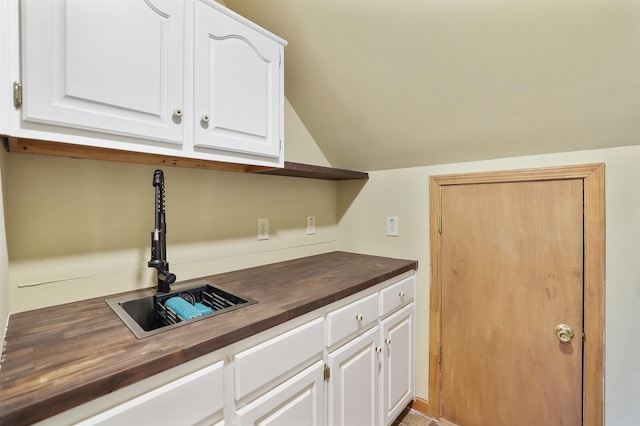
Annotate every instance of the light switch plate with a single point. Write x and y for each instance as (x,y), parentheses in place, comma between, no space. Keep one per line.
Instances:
(393,226)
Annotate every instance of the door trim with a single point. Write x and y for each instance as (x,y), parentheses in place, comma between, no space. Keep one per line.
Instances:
(594,276)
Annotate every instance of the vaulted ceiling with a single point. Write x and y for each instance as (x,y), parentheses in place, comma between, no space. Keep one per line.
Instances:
(383,84)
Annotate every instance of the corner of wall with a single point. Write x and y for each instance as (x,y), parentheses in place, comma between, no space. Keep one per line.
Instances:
(4,258)
(299,145)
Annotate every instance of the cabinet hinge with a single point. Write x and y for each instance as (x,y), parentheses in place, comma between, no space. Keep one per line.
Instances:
(439,354)
(17,94)
(327,372)
(280,60)
(440,225)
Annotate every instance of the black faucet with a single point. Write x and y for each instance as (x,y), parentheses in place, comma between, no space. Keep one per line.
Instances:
(159,238)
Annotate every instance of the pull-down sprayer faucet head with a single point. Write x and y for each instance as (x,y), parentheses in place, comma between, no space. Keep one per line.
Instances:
(159,238)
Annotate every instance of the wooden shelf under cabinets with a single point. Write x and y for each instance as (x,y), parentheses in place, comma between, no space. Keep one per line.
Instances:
(33,146)
(313,172)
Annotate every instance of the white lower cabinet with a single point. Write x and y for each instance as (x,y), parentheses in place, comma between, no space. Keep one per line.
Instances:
(372,374)
(193,399)
(397,333)
(350,363)
(273,361)
(353,390)
(298,401)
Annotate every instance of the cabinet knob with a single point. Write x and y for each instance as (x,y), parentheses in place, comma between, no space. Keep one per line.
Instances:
(205,118)
(401,295)
(359,317)
(387,341)
(177,112)
(378,349)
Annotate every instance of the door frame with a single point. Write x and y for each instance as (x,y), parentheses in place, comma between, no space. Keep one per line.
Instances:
(593,176)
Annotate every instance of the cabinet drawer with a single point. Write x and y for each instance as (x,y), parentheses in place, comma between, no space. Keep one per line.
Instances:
(267,361)
(351,318)
(188,400)
(298,401)
(396,295)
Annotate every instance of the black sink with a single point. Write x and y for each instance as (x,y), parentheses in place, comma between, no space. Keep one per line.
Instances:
(147,314)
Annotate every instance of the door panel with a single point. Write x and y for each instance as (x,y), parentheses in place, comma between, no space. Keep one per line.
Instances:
(512,267)
(237,73)
(397,365)
(110,65)
(353,390)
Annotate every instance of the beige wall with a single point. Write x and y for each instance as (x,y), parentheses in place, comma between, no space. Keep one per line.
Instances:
(4,261)
(404,193)
(81,228)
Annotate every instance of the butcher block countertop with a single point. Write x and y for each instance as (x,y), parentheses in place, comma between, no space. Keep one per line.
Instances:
(59,357)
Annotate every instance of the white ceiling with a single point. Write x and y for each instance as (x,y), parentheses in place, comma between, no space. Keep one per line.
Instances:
(385,84)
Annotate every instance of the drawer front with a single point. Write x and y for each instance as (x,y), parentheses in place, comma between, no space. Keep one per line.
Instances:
(396,295)
(298,401)
(267,361)
(188,400)
(351,318)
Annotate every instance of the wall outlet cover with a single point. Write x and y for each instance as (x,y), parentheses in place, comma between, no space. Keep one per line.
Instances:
(311,225)
(263,229)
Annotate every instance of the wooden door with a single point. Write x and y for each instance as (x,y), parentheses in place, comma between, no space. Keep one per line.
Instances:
(512,269)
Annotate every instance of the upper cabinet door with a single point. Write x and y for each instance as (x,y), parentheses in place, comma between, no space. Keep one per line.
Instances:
(113,66)
(238,85)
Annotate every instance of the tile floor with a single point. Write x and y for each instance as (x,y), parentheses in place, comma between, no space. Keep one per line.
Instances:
(411,417)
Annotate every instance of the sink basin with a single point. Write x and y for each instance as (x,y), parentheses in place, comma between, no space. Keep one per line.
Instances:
(148,313)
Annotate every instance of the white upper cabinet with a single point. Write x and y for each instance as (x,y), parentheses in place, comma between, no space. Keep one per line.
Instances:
(238,76)
(186,78)
(113,66)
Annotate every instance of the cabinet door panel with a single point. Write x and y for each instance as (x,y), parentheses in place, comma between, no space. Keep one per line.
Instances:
(396,295)
(187,400)
(237,73)
(298,401)
(354,383)
(263,363)
(109,65)
(398,363)
(351,319)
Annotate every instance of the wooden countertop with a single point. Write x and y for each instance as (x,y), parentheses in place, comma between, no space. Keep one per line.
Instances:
(59,357)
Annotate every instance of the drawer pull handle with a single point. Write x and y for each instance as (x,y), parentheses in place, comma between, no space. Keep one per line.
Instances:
(205,118)
(401,295)
(177,112)
(359,317)
(387,341)
(378,349)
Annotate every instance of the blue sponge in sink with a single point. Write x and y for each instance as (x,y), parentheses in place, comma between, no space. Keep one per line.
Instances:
(184,309)
(203,309)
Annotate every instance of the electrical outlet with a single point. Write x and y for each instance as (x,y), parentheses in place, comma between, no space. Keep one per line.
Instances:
(311,225)
(263,229)
(393,226)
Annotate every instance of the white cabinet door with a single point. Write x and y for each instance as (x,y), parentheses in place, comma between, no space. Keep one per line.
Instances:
(269,361)
(189,400)
(237,80)
(397,363)
(354,383)
(298,401)
(113,66)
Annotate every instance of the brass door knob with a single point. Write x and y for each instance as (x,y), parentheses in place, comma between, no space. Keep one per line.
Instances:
(564,333)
